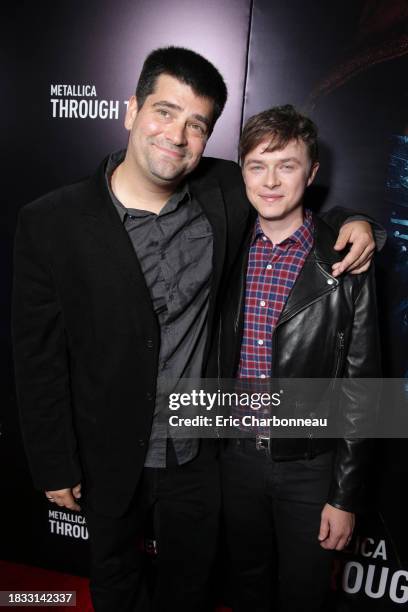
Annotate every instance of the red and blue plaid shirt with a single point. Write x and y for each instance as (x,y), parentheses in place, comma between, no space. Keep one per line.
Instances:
(271,273)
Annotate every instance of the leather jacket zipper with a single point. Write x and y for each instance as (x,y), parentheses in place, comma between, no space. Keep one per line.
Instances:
(339,352)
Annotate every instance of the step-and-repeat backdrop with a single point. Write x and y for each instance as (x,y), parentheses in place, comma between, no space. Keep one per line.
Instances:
(344,64)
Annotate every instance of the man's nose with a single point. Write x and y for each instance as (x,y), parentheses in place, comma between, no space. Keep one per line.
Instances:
(272,178)
(176,133)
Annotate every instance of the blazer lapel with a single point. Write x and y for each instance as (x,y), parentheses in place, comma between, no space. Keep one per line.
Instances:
(108,231)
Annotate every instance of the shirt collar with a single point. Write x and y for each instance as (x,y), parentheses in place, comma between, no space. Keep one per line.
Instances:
(302,237)
(172,203)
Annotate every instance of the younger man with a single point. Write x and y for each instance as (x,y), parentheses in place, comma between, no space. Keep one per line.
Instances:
(287,316)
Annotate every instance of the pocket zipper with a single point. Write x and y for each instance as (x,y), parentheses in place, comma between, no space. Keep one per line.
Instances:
(340,350)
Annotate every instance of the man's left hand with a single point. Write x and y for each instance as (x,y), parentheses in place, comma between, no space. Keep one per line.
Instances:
(359,234)
(336,528)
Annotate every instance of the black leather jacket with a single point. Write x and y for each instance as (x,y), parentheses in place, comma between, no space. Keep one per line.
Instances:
(328,329)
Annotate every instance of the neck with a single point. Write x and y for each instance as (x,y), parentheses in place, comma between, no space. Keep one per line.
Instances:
(278,230)
(135,191)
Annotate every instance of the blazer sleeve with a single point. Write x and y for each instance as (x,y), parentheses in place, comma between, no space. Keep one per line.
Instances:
(360,399)
(41,361)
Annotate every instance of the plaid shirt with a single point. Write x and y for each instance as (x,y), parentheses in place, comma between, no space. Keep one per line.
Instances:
(271,273)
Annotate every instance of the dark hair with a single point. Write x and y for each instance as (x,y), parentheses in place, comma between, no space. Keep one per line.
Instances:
(281,124)
(186,66)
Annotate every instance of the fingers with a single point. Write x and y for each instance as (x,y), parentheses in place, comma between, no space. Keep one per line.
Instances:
(359,235)
(324,529)
(64,498)
(76,491)
(344,237)
(343,541)
(363,262)
(337,540)
(357,260)
(341,242)
(340,528)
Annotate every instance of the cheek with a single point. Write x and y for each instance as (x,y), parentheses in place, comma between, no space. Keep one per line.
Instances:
(197,148)
(295,186)
(150,128)
(248,180)
(252,184)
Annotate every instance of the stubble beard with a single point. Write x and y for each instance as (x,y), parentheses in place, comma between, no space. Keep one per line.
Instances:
(165,171)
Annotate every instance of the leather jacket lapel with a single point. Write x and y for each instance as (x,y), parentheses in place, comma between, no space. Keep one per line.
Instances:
(315,279)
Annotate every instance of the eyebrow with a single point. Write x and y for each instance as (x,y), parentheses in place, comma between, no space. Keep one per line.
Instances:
(176,107)
(262,161)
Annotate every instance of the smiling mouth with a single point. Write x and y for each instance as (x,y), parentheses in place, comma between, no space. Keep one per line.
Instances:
(270,198)
(170,152)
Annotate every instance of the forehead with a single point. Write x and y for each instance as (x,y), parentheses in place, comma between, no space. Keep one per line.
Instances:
(294,149)
(170,89)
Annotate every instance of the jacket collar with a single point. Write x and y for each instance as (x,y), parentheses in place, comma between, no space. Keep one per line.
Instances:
(315,279)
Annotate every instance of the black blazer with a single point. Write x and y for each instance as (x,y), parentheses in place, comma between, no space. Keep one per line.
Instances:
(86,339)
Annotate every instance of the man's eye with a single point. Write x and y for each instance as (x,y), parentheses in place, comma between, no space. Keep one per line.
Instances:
(256,168)
(287,167)
(196,127)
(163,113)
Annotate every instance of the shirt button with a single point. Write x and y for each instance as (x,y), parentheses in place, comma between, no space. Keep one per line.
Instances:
(263,303)
(149,396)
(149,343)
(141,442)
(330,281)
(263,376)
(269,267)
(260,342)
(264,238)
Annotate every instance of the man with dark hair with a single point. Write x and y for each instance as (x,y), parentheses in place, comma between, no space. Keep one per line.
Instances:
(187,67)
(116,284)
(291,502)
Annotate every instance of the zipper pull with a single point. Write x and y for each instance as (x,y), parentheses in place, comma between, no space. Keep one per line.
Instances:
(340,336)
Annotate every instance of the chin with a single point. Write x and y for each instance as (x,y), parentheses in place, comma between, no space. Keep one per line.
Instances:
(272,215)
(167,173)
(164,179)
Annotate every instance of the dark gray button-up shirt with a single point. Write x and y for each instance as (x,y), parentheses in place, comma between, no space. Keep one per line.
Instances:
(174,249)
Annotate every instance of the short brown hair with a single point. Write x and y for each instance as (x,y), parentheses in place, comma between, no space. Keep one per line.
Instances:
(281,124)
